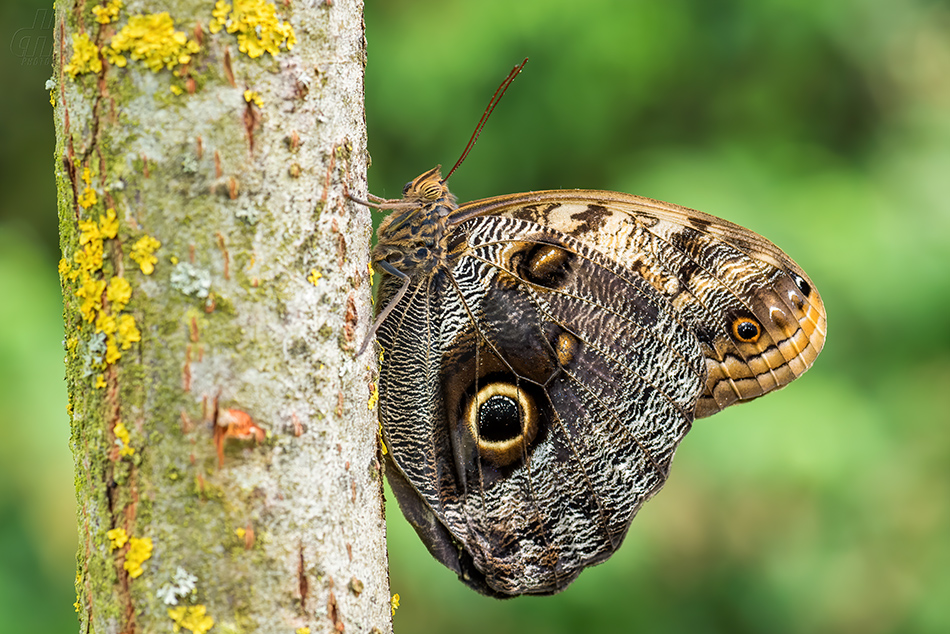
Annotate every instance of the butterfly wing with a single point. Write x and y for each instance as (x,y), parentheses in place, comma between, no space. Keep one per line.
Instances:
(552,350)
(534,392)
(760,321)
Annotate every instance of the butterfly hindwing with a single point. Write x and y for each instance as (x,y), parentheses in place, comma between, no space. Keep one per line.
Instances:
(566,384)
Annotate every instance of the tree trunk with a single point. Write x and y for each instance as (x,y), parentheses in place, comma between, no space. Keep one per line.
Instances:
(215,287)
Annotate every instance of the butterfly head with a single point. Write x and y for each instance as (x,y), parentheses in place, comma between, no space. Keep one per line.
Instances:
(428,188)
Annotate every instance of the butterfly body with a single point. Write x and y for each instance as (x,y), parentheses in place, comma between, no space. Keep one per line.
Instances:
(546,352)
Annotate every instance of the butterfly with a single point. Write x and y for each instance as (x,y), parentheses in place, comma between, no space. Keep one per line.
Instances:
(544,353)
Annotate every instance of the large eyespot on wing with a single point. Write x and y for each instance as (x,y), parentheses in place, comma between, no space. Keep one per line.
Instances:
(567,384)
(502,418)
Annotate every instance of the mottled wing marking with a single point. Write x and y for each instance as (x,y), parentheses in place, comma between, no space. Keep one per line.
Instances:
(711,270)
(626,383)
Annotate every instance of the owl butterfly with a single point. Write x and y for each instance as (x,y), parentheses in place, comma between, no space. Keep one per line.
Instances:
(545,353)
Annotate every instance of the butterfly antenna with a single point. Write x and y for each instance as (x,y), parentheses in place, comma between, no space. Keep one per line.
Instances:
(491,106)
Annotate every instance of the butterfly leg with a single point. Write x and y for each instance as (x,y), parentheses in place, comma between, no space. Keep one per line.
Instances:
(392,270)
(374,201)
(377,202)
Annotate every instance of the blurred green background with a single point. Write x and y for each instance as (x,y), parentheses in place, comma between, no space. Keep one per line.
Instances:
(823,125)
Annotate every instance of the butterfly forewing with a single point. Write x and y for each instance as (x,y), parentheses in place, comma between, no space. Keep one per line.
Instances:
(717,275)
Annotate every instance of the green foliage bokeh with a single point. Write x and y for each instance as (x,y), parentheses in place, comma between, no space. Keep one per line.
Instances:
(823,125)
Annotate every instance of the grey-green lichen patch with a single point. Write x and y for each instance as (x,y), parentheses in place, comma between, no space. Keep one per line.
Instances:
(189,280)
(92,351)
(247,213)
(182,584)
(189,163)
(307,248)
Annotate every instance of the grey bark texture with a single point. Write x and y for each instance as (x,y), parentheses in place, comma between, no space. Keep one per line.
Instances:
(216,286)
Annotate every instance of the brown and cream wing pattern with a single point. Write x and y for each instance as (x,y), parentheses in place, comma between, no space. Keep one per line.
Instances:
(546,352)
(527,323)
(759,318)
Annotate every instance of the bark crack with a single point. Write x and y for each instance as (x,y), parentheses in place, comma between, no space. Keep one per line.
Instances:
(303,586)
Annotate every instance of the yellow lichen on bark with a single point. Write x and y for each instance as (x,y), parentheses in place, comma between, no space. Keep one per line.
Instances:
(194,618)
(108,13)
(85,57)
(258,29)
(140,550)
(119,329)
(153,40)
(123,439)
(142,253)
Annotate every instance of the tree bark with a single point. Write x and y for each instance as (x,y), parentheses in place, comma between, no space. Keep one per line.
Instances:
(215,285)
